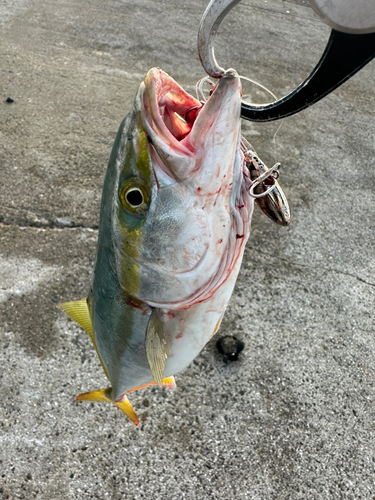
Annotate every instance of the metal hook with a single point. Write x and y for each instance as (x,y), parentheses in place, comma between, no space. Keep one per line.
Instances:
(274,172)
(345,54)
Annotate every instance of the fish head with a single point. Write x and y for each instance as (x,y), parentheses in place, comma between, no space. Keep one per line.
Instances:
(180,211)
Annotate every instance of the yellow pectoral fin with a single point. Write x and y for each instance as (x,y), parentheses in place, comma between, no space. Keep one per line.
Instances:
(78,311)
(158,347)
(103,395)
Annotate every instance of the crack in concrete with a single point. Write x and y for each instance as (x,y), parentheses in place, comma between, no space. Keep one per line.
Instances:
(31,219)
(262,252)
(26,218)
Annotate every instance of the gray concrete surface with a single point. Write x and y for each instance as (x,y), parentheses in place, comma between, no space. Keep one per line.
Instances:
(294,417)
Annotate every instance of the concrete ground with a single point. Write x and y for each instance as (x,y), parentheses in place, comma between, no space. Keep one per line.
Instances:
(294,417)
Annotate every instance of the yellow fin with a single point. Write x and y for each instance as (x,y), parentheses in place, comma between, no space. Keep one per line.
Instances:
(125,406)
(158,347)
(78,311)
(103,395)
(169,382)
(217,325)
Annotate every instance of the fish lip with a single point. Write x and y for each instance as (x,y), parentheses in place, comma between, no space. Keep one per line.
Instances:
(159,86)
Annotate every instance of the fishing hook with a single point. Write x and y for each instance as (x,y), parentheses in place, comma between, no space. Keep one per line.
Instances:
(274,172)
(350,47)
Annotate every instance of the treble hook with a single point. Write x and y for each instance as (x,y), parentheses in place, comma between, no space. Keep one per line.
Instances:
(350,47)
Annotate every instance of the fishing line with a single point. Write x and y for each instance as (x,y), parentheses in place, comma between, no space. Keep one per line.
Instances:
(268,91)
(259,85)
(274,138)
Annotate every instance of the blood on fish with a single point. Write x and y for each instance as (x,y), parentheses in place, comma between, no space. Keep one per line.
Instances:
(191,115)
(214,193)
(238,236)
(217,196)
(141,306)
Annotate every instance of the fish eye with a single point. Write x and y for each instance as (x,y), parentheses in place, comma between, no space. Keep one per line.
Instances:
(134,197)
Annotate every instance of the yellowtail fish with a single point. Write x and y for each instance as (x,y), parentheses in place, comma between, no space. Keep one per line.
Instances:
(175,218)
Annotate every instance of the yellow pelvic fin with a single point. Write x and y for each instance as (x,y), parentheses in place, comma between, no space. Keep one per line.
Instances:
(158,347)
(103,395)
(166,382)
(78,311)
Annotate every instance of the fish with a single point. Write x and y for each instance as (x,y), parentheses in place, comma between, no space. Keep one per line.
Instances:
(174,221)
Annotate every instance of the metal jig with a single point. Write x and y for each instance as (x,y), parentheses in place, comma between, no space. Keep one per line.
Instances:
(265,188)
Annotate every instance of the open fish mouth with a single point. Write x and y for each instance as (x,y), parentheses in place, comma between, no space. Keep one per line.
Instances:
(166,105)
(178,125)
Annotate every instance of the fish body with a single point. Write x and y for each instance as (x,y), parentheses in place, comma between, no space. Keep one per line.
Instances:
(175,217)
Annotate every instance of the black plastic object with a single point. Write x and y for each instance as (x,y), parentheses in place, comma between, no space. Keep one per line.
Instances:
(230,347)
(344,55)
